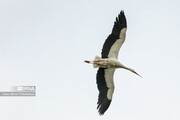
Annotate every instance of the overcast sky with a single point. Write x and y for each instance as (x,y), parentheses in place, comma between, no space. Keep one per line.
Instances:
(44,43)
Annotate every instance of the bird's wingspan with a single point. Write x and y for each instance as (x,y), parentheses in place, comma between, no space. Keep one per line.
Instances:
(115,40)
(105,86)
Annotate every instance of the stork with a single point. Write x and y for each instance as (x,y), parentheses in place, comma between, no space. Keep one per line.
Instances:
(108,62)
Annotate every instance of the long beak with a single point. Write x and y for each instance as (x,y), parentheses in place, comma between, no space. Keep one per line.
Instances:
(137,74)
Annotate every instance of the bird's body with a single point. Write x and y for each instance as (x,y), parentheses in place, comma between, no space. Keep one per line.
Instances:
(108,62)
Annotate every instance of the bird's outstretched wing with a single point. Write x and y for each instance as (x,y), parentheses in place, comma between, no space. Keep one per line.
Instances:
(105,86)
(115,40)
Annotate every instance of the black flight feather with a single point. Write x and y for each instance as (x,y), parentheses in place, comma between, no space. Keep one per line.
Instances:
(119,24)
(103,101)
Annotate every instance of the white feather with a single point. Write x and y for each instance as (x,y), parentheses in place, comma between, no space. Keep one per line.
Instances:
(113,53)
(109,73)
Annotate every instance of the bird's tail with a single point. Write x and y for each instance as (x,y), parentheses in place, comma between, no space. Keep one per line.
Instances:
(97,58)
(94,62)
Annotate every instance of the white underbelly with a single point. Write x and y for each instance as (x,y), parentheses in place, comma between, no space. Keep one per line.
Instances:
(107,63)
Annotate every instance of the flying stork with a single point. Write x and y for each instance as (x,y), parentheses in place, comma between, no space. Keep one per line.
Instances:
(108,62)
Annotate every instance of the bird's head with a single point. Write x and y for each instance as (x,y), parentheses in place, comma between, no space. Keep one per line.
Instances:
(132,70)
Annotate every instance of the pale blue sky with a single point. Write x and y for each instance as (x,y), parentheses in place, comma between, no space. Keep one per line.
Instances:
(44,43)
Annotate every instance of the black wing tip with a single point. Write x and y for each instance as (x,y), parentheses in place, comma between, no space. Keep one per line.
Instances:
(102,107)
(122,12)
(119,23)
(122,19)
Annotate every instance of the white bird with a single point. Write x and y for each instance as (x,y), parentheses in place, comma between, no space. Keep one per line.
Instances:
(108,62)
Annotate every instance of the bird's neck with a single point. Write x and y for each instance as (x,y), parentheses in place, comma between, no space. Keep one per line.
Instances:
(123,66)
